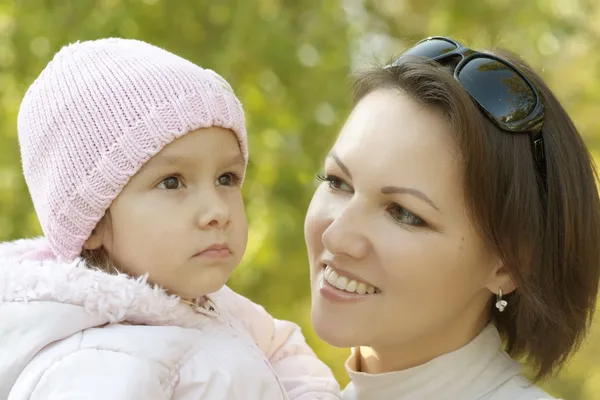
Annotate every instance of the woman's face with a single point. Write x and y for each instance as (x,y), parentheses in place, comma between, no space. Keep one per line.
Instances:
(393,254)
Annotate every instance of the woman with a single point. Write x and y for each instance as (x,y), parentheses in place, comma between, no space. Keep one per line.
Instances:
(457,224)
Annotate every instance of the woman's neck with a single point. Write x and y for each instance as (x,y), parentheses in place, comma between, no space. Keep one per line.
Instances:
(402,356)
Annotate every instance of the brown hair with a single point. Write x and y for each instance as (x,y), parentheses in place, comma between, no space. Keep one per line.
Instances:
(550,244)
(99,259)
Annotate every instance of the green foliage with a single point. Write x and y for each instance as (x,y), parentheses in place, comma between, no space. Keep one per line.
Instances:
(289,62)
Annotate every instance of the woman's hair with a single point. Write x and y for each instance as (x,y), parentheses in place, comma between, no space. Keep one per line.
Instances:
(549,243)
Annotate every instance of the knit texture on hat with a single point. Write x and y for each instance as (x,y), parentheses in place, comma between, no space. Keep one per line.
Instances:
(96,114)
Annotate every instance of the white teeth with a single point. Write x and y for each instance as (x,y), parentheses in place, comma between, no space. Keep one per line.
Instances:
(332,277)
(351,286)
(341,282)
(361,288)
(344,283)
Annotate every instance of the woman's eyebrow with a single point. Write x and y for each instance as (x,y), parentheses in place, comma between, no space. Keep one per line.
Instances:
(339,162)
(411,191)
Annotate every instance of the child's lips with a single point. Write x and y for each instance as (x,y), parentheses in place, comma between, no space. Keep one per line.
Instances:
(215,251)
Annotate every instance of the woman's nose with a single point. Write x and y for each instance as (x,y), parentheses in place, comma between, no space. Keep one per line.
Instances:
(346,233)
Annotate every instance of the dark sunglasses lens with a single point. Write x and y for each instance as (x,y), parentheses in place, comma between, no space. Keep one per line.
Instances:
(498,89)
(431,48)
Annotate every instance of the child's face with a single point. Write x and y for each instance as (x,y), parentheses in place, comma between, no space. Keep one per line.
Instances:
(183,201)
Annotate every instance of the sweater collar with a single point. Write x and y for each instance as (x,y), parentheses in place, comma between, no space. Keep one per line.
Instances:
(472,369)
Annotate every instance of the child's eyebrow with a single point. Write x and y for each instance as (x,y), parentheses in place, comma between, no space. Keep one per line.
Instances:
(238,159)
(162,160)
(169,160)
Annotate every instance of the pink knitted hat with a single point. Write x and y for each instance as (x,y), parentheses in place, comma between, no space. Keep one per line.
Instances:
(96,114)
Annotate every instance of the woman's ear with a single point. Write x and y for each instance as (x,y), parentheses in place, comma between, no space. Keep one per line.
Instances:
(500,279)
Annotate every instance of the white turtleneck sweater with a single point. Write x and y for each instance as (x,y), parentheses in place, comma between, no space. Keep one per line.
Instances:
(480,370)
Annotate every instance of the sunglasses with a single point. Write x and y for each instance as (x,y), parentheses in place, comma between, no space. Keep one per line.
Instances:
(501,91)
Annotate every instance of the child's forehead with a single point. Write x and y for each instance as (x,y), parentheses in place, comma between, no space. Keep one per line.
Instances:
(204,146)
(173,158)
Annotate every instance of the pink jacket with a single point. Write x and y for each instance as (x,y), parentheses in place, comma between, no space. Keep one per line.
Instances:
(68,332)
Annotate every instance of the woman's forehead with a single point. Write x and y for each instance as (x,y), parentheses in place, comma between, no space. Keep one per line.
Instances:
(389,127)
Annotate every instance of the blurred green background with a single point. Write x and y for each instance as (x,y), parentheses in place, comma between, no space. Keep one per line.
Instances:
(289,62)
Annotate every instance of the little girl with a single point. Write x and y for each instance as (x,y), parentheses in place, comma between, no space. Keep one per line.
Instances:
(134,158)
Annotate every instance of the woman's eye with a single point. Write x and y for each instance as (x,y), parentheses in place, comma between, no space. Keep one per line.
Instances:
(229,179)
(170,183)
(404,216)
(335,183)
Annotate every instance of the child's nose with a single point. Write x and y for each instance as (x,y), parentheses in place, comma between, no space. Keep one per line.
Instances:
(213,212)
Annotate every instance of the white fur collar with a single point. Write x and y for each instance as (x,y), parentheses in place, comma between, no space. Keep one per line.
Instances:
(116,298)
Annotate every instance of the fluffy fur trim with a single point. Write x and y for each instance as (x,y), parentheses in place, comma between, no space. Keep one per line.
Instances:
(117,298)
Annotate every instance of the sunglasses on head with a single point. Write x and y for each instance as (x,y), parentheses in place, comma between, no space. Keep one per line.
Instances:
(500,90)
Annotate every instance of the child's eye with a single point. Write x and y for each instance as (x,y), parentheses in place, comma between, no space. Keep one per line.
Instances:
(335,183)
(229,179)
(171,183)
(405,216)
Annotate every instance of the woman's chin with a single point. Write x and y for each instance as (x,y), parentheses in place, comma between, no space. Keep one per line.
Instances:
(334,331)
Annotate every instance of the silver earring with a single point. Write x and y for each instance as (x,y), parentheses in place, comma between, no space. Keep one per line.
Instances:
(500,304)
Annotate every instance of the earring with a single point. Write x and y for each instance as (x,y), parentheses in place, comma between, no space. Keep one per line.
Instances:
(500,304)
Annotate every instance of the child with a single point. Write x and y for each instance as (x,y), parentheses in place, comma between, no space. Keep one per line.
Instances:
(134,158)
